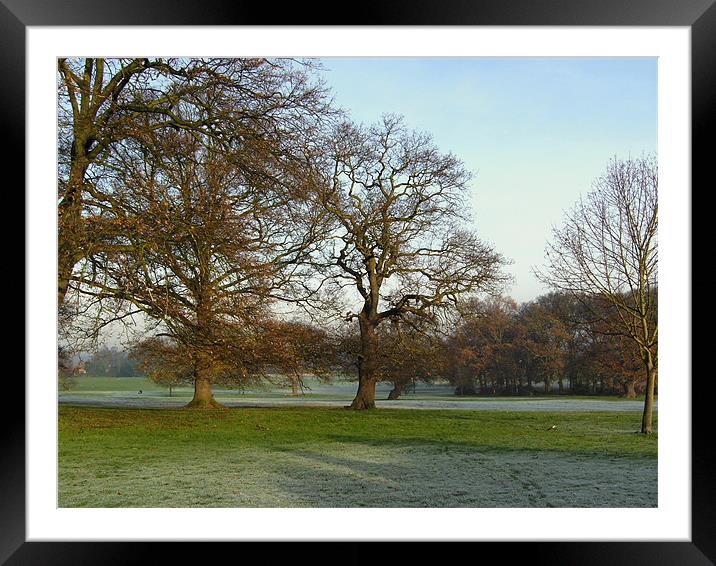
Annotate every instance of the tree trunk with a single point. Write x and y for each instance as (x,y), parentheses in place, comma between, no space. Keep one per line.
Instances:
(396,392)
(365,396)
(203,361)
(646,421)
(203,396)
(68,250)
(465,389)
(629,389)
(63,279)
(547,385)
(295,384)
(70,224)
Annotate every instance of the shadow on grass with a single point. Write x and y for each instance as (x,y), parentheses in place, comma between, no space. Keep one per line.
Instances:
(362,475)
(604,444)
(285,457)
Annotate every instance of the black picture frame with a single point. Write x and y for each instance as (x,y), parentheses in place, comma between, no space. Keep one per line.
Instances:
(699,15)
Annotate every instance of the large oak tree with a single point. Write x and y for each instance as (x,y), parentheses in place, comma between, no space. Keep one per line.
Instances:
(203,238)
(111,105)
(401,239)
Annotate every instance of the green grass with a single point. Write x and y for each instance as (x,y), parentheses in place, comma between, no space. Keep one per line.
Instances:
(316,457)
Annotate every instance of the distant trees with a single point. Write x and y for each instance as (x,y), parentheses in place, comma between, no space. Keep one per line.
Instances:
(111,362)
(294,349)
(616,363)
(484,348)
(399,238)
(545,341)
(411,351)
(163,361)
(501,348)
(609,356)
(494,347)
(280,352)
(606,249)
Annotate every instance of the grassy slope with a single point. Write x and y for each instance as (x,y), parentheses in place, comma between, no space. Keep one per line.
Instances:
(332,457)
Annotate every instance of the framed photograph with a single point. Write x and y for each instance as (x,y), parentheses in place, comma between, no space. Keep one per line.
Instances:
(658,59)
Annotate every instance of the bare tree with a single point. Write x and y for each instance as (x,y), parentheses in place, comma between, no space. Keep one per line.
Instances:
(400,239)
(606,249)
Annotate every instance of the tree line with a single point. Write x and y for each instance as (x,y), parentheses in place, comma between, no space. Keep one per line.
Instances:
(210,195)
(557,343)
(552,345)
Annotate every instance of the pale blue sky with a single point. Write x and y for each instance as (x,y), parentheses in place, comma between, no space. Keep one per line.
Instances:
(535,132)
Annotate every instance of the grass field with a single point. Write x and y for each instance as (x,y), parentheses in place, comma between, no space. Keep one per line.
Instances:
(331,457)
(125,393)
(317,390)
